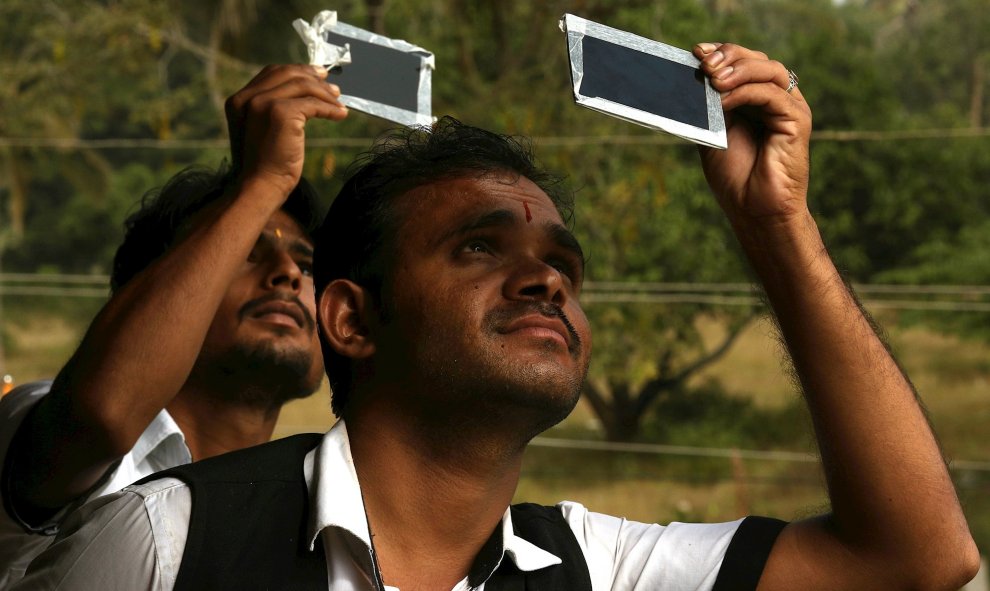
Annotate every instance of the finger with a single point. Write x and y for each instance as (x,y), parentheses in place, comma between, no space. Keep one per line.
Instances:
(298,87)
(260,106)
(304,108)
(727,53)
(750,71)
(315,108)
(723,58)
(703,49)
(731,66)
(774,108)
(272,77)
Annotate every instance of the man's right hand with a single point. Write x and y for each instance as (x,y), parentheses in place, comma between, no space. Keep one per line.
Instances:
(267,120)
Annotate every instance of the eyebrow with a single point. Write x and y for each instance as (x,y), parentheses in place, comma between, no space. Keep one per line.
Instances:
(563,238)
(500,218)
(493,219)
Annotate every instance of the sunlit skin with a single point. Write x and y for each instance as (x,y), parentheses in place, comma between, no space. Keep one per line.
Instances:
(467,355)
(218,293)
(271,300)
(483,265)
(278,271)
(260,350)
(485,345)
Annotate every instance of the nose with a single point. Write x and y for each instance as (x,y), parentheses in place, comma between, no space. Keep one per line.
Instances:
(535,280)
(283,272)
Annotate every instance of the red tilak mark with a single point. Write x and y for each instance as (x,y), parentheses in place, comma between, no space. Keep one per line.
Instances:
(529,216)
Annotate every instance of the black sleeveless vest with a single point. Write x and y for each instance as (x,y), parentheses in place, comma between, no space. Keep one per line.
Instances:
(247,529)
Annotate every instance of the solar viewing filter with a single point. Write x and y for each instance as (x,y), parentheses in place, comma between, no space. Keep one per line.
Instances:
(643,81)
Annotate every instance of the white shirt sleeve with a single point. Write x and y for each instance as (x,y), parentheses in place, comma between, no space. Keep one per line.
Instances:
(631,556)
(133,540)
(18,545)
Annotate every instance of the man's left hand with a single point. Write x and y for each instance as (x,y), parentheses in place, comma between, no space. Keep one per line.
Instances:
(763,176)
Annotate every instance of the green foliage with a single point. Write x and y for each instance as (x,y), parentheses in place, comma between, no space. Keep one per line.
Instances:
(905,211)
(890,210)
(974,494)
(706,416)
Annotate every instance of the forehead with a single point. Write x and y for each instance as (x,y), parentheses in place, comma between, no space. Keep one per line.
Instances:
(287,226)
(449,201)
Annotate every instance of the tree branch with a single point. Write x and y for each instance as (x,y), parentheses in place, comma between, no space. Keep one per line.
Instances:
(652,389)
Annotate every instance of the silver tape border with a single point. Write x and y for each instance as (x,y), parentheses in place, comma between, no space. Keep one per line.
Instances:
(577,28)
(424,96)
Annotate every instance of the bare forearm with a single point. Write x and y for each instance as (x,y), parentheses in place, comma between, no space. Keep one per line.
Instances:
(890,490)
(141,348)
(149,335)
(138,352)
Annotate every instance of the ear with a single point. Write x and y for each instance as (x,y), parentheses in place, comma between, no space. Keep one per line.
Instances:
(342,314)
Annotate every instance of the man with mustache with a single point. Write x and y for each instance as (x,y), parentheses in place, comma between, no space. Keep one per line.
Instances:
(209,331)
(448,286)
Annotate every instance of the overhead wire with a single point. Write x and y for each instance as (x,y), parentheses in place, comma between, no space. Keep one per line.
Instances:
(849,135)
(952,298)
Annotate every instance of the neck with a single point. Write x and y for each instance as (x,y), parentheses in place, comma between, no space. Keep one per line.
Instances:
(431,503)
(213,426)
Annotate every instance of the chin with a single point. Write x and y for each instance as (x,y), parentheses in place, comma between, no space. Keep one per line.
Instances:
(272,373)
(537,397)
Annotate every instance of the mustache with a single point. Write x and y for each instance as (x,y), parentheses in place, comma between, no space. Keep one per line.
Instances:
(504,315)
(277,296)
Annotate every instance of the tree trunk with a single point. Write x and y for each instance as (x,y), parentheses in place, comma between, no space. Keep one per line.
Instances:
(376,16)
(18,200)
(621,412)
(976,92)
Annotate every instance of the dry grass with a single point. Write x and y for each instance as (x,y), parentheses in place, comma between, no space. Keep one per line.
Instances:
(952,376)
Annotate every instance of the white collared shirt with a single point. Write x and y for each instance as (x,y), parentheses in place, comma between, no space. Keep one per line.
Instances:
(160,446)
(135,539)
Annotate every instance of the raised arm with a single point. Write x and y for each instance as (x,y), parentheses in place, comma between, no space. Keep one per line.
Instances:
(896,522)
(141,347)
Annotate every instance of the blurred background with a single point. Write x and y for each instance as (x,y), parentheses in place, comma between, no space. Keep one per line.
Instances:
(689,412)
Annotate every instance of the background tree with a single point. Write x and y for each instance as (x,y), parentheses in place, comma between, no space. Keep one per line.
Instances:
(891,210)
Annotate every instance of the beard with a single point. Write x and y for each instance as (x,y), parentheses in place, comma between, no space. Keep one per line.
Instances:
(483,386)
(258,374)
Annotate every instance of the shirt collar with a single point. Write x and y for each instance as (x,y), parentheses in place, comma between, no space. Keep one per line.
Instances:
(524,554)
(332,482)
(527,556)
(163,427)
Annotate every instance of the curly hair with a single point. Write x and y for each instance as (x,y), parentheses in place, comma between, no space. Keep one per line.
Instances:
(163,213)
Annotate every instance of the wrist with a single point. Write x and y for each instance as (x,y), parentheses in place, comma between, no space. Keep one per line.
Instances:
(267,191)
(783,250)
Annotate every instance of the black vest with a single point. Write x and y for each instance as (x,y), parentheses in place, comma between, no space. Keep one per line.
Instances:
(247,529)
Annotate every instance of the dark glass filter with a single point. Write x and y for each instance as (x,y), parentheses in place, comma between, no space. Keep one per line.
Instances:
(643,81)
(377,73)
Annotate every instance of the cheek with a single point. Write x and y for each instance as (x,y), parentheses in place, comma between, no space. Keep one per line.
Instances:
(580,323)
(308,299)
(228,313)
(223,328)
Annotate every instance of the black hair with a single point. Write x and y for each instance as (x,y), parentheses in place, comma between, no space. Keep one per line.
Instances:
(163,213)
(355,242)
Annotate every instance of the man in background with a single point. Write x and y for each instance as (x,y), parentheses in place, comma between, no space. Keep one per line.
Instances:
(209,331)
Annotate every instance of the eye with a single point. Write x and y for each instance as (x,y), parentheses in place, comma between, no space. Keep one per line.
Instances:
(564,267)
(255,255)
(477,247)
(305,267)
(571,269)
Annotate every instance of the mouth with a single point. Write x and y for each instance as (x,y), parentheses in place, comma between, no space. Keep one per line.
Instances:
(280,313)
(541,327)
